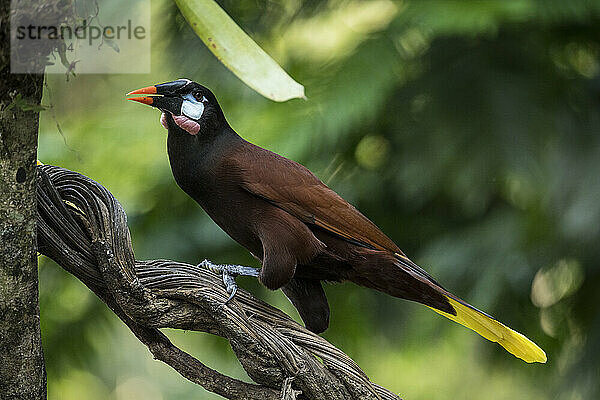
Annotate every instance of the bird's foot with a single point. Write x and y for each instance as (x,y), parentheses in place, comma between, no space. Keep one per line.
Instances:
(229,273)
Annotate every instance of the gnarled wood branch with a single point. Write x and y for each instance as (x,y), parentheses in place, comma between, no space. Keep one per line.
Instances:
(83,228)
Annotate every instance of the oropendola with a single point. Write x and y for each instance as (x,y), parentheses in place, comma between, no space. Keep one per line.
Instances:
(301,231)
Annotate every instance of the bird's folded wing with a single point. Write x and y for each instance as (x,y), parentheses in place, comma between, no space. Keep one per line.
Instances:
(293,188)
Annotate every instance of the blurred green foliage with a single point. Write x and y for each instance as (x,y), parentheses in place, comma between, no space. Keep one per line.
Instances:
(467,130)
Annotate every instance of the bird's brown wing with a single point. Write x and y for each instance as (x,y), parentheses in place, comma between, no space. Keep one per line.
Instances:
(293,188)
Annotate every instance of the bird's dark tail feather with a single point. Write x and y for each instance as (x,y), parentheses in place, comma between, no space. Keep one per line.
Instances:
(478,321)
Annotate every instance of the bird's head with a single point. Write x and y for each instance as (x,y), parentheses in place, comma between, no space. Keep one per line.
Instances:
(184,104)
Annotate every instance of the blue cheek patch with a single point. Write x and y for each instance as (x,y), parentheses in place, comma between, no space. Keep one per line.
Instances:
(192,109)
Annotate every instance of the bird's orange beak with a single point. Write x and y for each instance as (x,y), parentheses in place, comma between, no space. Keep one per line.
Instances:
(144,99)
(164,96)
(144,90)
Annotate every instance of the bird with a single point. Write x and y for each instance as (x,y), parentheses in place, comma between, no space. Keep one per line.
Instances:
(302,232)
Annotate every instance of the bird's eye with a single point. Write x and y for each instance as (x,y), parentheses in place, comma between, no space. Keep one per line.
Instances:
(198,96)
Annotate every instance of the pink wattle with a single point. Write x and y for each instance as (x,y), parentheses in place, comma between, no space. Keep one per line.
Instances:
(188,125)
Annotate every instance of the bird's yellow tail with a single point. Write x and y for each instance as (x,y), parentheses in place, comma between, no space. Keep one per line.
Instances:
(514,342)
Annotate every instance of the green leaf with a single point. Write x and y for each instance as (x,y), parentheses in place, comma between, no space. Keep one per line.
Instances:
(237,51)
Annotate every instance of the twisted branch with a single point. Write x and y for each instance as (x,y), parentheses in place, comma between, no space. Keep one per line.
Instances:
(83,228)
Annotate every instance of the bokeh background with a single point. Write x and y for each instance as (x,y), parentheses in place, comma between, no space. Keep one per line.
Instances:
(469,131)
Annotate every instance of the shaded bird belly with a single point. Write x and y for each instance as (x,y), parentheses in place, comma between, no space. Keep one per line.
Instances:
(237,220)
(238,228)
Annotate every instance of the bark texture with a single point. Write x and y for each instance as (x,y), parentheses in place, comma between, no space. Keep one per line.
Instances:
(22,373)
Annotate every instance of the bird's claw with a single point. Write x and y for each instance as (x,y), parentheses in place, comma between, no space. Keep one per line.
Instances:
(229,272)
(230,285)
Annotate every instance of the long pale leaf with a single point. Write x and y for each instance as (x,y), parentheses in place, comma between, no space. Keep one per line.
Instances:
(237,51)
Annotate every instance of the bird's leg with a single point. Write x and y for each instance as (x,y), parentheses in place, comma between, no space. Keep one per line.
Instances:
(229,273)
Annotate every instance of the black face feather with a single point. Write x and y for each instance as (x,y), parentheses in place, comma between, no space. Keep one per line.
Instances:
(184,88)
(188,100)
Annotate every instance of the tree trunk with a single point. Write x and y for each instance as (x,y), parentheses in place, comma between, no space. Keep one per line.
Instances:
(22,371)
